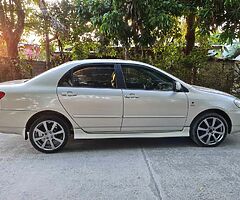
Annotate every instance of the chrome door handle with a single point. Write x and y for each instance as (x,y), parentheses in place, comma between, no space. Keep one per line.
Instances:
(131,96)
(64,94)
(69,94)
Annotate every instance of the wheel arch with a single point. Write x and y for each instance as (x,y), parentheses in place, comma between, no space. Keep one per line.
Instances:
(218,111)
(46,113)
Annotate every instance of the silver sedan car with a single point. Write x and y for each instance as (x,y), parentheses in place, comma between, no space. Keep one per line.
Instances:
(94,99)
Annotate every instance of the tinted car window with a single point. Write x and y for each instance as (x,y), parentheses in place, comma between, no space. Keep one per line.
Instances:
(91,77)
(146,79)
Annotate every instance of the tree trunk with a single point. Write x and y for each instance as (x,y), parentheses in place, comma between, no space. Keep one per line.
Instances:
(12,52)
(47,46)
(60,46)
(194,75)
(190,42)
(190,35)
(126,53)
(12,27)
(12,48)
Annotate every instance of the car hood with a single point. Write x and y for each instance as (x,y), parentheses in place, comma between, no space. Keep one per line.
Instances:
(14,82)
(209,90)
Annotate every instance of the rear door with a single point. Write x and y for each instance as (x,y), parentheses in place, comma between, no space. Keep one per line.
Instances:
(91,96)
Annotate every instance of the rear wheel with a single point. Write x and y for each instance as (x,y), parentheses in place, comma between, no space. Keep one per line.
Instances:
(209,129)
(49,134)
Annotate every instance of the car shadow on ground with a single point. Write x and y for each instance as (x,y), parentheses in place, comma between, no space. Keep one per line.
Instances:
(13,143)
(10,143)
(116,144)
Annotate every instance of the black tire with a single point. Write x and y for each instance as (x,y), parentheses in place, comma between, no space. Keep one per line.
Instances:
(38,127)
(197,134)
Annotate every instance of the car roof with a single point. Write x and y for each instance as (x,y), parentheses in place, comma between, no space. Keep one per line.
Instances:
(52,76)
(120,61)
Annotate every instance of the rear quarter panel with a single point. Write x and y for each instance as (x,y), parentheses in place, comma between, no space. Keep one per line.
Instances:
(22,101)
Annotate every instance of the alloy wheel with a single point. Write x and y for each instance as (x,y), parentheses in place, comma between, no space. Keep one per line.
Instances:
(211,131)
(49,135)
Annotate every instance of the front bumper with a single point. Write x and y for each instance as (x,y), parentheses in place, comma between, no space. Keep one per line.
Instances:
(235,129)
(235,119)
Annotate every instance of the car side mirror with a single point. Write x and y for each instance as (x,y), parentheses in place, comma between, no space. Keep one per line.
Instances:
(177,86)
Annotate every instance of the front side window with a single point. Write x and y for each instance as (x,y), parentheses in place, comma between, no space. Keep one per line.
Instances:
(91,77)
(140,78)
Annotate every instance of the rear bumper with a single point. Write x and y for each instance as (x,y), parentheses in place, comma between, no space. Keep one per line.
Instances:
(12,130)
(14,122)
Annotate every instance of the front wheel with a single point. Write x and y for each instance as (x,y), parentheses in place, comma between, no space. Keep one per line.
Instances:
(49,134)
(209,129)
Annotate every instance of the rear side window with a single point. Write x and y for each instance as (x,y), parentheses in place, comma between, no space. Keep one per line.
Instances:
(91,77)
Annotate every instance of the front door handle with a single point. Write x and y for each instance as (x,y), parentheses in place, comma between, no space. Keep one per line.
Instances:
(69,94)
(131,96)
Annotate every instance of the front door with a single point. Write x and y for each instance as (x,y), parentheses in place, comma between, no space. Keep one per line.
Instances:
(150,102)
(90,95)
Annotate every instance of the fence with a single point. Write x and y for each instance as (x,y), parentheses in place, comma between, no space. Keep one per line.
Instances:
(218,74)
(28,68)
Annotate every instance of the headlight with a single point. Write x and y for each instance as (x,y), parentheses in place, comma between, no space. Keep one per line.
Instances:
(237,102)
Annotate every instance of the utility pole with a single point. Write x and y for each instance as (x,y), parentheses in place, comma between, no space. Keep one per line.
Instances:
(43,7)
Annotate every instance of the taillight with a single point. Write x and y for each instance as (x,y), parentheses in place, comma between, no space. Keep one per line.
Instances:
(2,94)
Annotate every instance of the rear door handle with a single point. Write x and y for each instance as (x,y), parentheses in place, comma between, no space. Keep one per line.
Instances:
(64,94)
(131,96)
(69,94)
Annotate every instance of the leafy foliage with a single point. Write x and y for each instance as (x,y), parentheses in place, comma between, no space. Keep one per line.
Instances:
(171,34)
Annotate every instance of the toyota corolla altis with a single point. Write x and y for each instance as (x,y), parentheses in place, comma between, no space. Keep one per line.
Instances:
(94,99)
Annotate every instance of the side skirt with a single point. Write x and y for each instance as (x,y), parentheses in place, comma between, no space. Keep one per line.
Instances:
(80,134)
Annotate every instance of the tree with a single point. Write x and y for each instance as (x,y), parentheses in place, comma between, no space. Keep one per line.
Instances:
(223,15)
(12,17)
(206,16)
(130,23)
(67,15)
(49,21)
